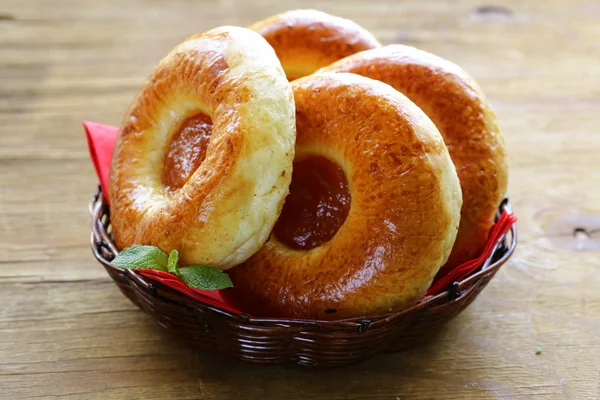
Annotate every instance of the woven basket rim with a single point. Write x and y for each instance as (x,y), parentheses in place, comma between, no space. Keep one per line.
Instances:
(101,242)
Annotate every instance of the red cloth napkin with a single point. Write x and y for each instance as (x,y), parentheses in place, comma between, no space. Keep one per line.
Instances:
(101,142)
(223,299)
(462,271)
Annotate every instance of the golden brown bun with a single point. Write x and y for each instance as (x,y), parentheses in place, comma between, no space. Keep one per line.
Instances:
(224,213)
(306,40)
(459,109)
(404,211)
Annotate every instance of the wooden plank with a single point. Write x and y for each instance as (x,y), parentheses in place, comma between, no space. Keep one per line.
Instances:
(107,337)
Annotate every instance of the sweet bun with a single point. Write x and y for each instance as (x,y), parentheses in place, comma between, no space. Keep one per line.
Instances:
(203,160)
(459,109)
(306,40)
(372,166)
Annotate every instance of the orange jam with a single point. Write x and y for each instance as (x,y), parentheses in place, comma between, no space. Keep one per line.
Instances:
(186,151)
(317,206)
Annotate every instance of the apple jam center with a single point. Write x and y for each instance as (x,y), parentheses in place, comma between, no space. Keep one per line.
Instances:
(186,151)
(317,206)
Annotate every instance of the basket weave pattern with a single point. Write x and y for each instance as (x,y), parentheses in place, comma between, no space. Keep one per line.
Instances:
(283,341)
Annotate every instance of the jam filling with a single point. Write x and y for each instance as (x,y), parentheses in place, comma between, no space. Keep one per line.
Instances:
(186,151)
(317,206)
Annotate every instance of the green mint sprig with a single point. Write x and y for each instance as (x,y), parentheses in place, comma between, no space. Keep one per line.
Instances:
(151,257)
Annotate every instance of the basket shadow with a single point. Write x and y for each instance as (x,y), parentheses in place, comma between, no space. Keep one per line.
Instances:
(385,375)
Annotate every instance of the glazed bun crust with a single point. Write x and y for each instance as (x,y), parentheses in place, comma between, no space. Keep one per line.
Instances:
(306,40)
(459,109)
(403,217)
(225,211)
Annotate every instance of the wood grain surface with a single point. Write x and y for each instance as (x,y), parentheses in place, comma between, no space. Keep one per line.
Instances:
(66,332)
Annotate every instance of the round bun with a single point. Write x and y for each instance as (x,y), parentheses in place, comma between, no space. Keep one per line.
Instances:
(219,211)
(459,109)
(306,40)
(403,213)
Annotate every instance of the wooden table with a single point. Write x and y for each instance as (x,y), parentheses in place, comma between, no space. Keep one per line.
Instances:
(67,332)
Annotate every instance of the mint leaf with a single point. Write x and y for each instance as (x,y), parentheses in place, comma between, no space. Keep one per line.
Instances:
(205,278)
(141,257)
(172,262)
(151,257)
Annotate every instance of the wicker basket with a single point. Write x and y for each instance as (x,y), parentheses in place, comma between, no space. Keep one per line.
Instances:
(282,341)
